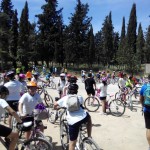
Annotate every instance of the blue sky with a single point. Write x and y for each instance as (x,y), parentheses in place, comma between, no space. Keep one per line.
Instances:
(98,9)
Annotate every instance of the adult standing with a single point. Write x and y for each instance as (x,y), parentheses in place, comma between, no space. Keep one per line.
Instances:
(15,89)
(145,101)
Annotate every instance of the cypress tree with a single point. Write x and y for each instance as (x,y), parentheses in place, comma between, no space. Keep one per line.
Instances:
(14,39)
(140,45)
(23,43)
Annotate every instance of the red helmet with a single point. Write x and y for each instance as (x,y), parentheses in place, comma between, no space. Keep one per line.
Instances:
(69,75)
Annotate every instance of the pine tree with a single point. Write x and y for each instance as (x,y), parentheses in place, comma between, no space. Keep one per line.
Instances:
(50,31)
(6,13)
(79,26)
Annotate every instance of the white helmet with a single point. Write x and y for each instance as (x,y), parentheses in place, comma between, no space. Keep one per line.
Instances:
(62,75)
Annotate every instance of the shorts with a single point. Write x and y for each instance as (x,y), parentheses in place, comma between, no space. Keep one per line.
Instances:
(103,98)
(147,119)
(90,91)
(74,129)
(13,106)
(5,131)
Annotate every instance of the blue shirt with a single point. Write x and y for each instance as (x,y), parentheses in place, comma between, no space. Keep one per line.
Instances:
(143,89)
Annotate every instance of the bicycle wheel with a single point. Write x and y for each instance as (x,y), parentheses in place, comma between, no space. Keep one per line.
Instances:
(52,85)
(64,135)
(92,103)
(89,144)
(37,144)
(53,116)
(48,100)
(116,107)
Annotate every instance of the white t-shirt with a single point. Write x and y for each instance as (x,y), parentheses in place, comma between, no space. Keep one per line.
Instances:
(122,82)
(103,90)
(3,105)
(72,117)
(15,88)
(29,102)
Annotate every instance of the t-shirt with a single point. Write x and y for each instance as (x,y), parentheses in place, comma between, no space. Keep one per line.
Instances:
(122,83)
(15,88)
(89,83)
(143,89)
(72,117)
(3,105)
(103,90)
(29,102)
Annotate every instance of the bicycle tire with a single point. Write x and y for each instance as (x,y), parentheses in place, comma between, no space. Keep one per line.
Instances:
(64,135)
(117,107)
(89,144)
(91,103)
(48,100)
(13,123)
(38,144)
(53,116)
(52,85)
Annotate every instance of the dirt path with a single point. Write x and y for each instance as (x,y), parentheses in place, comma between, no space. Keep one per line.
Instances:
(111,133)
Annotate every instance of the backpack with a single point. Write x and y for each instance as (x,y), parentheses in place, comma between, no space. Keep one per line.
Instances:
(147,95)
(73,103)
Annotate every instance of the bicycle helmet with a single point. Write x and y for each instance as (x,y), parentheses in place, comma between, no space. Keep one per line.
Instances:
(10,73)
(22,76)
(89,74)
(73,79)
(62,75)
(4,90)
(31,84)
(73,88)
(104,79)
(68,75)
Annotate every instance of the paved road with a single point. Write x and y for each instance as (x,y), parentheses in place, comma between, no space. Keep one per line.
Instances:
(111,133)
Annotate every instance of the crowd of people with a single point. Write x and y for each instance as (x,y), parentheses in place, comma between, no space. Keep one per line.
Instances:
(21,88)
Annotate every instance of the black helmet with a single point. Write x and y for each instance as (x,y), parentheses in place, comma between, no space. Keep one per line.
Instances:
(73,79)
(73,88)
(3,90)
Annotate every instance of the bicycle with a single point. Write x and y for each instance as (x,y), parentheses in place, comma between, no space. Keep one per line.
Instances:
(50,83)
(55,115)
(83,142)
(45,96)
(116,107)
(33,143)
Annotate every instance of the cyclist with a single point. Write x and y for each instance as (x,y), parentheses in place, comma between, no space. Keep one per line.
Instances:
(24,84)
(61,84)
(15,89)
(27,103)
(29,74)
(72,79)
(98,76)
(5,131)
(36,78)
(129,83)
(89,85)
(103,95)
(145,102)
(75,118)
